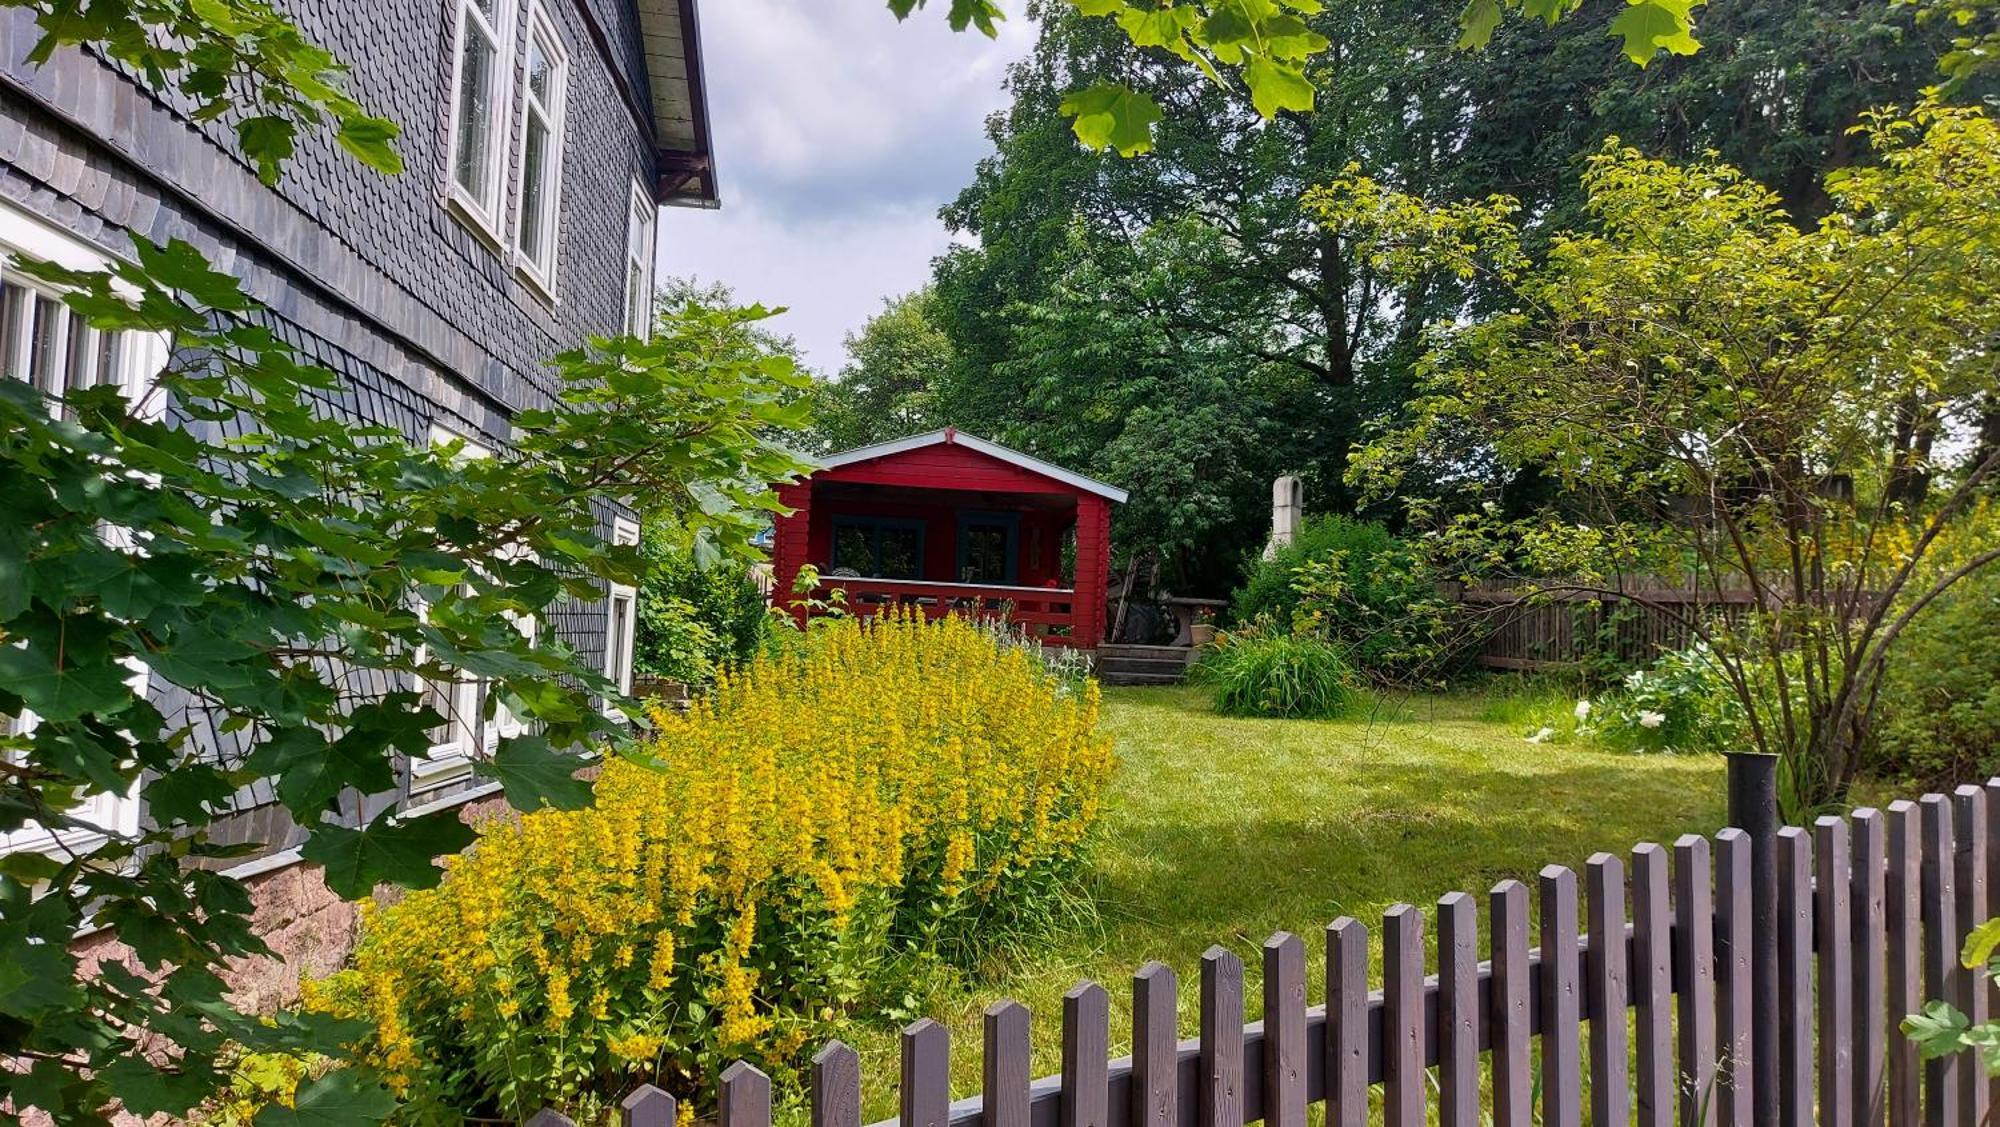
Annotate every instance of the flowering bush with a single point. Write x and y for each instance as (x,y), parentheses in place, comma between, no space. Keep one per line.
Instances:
(884,791)
(1680,703)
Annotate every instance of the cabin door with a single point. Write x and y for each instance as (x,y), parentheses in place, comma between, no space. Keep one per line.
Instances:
(988,546)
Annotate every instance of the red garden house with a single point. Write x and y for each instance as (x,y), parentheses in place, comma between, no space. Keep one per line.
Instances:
(949,523)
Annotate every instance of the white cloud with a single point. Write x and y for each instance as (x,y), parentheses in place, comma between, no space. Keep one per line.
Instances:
(838,134)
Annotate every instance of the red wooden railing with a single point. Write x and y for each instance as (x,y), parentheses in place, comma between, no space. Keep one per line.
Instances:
(1042,611)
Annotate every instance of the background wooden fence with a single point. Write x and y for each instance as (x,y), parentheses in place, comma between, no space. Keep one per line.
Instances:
(1635,1004)
(1566,628)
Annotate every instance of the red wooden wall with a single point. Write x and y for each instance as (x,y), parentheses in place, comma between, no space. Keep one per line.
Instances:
(953,475)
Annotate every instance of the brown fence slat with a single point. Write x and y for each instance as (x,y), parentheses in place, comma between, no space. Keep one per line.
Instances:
(1221,1038)
(1733,989)
(744,1097)
(1868,927)
(1903,887)
(1694,967)
(647,1106)
(836,1087)
(926,1083)
(1403,1079)
(1795,972)
(1969,814)
(1562,1011)
(1834,929)
(1007,1070)
(1513,1067)
(1941,973)
(1284,1031)
(1652,974)
(1992,909)
(1347,1015)
(1086,1097)
(1610,1079)
(1458,1011)
(548,1117)
(1155,1053)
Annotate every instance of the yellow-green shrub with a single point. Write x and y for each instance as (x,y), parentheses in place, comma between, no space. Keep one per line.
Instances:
(815,820)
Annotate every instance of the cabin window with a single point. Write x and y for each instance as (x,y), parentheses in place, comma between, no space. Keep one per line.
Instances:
(878,547)
(986,547)
(485,33)
(639,264)
(544,89)
(621,614)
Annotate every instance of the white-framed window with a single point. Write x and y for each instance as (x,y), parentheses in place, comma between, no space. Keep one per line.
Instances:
(639,264)
(458,700)
(45,343)
(544,93)
(505,722)
(482,50)
(621,615)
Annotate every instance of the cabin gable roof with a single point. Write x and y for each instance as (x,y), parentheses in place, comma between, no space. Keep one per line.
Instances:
(951,436)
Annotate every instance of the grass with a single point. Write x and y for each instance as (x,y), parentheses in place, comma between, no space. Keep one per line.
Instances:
(1223,831)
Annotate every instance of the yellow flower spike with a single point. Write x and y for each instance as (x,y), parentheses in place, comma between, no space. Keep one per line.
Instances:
(900,761)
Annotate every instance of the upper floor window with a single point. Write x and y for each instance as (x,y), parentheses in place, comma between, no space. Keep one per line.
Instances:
(485,36)
(544,79)
(639,264)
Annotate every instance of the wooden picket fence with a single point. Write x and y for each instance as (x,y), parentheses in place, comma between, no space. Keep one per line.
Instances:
(1561,629)
(1636,1005)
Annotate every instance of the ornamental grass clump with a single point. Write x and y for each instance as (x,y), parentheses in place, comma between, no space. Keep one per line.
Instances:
(820,821)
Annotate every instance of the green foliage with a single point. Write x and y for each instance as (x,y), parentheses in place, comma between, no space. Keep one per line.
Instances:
(1683,702)
(211,53)
(1975,43)
(1353,583)
(695,621)
(886,388)
(277,581)
(1942,1030)
(1940,711)
(1260,669)
(1725,399)
(1270,43)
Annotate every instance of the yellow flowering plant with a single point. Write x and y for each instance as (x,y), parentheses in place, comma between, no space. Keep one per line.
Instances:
(886,789)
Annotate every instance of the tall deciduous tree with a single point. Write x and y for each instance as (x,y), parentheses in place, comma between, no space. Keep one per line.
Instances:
(1720,393)
(887,388)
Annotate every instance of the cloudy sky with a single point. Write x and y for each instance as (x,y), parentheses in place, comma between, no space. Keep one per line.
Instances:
(838,134)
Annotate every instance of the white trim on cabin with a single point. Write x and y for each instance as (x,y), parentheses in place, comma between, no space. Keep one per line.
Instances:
(950,436)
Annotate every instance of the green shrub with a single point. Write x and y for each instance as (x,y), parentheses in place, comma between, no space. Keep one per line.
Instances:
(1939,718)
(695,621)
(1261,671)
(1354,584)
(1682,702)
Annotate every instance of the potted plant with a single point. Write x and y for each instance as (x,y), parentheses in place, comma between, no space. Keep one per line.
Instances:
(1203,630)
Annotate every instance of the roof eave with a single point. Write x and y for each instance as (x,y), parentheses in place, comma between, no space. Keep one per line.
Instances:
(952,435)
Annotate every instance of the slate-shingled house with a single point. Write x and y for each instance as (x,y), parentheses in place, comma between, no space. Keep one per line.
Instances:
(540,137)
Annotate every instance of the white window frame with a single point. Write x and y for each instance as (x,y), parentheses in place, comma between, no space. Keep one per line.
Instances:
(137,358)
(541,32)
(641,229)
(618,641)
(505,723)
(449,760)
(487,215)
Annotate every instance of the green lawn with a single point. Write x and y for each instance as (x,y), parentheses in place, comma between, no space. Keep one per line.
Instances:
(1224,831)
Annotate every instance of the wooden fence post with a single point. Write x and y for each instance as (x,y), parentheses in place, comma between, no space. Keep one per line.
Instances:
(1155,1048)
(647,1106)
(1735,1014)
(1795,940)
(1222,1039)
(1284,1031)
(1610,1080)
(1694,962)
(1969,813)
(1513,1067)
(1869,927)
(745,1098)
(1347,1013)
(1086,1044)
(1562,1010)
(1832,925)
(1653,974)
(1457,1011)
(1941,971)
(1903,887)
(1403,1079)
(1006,1069)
